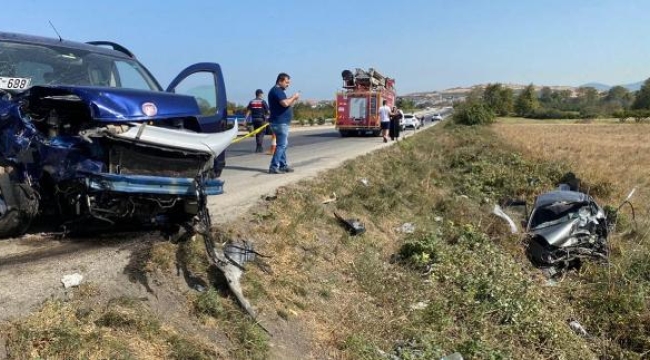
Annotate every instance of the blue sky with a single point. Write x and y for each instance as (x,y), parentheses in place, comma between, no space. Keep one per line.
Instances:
(425,44)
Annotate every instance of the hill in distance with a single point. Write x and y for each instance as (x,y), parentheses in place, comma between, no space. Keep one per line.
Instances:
(517,87)
(603,87)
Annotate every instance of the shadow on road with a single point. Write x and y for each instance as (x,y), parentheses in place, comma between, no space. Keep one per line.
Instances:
(50,246)
(324,135)
(245,168)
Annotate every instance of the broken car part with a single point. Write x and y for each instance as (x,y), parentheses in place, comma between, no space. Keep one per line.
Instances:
(352,226)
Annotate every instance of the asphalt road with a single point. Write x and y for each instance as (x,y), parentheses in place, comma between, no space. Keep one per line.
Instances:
(298,137)
(310,152)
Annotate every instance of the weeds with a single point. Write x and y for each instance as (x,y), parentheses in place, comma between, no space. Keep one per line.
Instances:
(123,329)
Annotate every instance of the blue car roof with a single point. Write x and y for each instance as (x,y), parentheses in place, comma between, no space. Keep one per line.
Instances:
(32,39)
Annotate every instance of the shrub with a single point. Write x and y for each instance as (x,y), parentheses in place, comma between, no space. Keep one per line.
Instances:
(320,121)
(637,115)
(473,113)
(553,114)
(311,121)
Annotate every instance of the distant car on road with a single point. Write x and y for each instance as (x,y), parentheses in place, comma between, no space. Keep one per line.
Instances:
(436,117)
(410,121)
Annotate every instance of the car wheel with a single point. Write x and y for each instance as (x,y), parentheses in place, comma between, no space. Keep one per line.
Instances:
(18,206)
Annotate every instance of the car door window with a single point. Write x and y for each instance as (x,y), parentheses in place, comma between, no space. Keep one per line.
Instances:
(201,86)
(129,77)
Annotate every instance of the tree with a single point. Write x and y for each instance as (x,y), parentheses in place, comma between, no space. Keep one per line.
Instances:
(498,98)
(474,95)
(587,96)
(642,100)
(546,96)
(405,104)
(233,108)
(527,101)
(617,98)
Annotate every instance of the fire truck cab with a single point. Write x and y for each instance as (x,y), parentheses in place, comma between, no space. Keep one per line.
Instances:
(357,104)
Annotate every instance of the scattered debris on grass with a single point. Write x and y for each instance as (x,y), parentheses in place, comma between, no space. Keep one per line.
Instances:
(407,228)
(71,280)
(353,226)
(330,199)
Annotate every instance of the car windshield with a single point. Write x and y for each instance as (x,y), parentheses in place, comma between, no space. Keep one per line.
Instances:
(556,213)
(23,65)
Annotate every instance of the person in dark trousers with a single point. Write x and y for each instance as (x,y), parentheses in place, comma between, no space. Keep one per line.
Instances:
(396,116)
(257,111)
(280,119)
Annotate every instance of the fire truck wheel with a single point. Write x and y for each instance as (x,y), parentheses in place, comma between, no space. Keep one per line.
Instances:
(376,133)
(344,133)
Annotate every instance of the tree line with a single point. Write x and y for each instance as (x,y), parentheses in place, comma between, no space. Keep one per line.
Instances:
(482,105)
(301,111)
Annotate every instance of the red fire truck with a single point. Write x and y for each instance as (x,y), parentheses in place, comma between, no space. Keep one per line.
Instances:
(357,105)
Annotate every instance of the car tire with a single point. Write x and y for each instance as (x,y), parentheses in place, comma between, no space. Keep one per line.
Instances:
(19,206)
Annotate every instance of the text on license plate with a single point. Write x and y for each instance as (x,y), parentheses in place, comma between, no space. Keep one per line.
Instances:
(14,83)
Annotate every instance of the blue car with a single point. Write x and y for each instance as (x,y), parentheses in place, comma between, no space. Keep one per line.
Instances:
(91,141)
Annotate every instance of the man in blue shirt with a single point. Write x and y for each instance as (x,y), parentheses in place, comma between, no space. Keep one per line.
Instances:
(280,119)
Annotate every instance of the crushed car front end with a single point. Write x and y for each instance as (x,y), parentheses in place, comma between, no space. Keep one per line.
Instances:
(84,152)
(566,227)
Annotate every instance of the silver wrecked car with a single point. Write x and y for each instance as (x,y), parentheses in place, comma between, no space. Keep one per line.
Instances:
(564,228)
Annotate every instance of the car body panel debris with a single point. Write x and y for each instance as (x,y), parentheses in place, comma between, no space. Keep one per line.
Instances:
(230,262)
(71,280)
(352,226)
(498,211)
(578,328)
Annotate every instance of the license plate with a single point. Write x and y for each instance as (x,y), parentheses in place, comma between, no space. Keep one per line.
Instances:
(14,83)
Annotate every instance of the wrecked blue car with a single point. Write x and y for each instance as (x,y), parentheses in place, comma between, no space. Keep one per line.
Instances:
(90,140)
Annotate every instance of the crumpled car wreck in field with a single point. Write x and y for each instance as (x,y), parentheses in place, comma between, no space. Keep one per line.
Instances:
(564,229)
(91,140)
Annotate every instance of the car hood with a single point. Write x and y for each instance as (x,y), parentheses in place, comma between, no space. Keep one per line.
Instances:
(108,104)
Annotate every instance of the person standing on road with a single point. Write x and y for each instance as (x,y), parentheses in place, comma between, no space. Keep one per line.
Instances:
(280,119)
(257,110)
(384,119)
(396,116)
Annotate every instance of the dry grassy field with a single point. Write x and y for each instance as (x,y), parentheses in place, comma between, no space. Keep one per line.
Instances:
(597,152)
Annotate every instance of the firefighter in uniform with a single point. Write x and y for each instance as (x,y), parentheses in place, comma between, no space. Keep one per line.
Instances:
(258,110)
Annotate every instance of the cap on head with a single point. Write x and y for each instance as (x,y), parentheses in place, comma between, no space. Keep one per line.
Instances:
(259,92)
